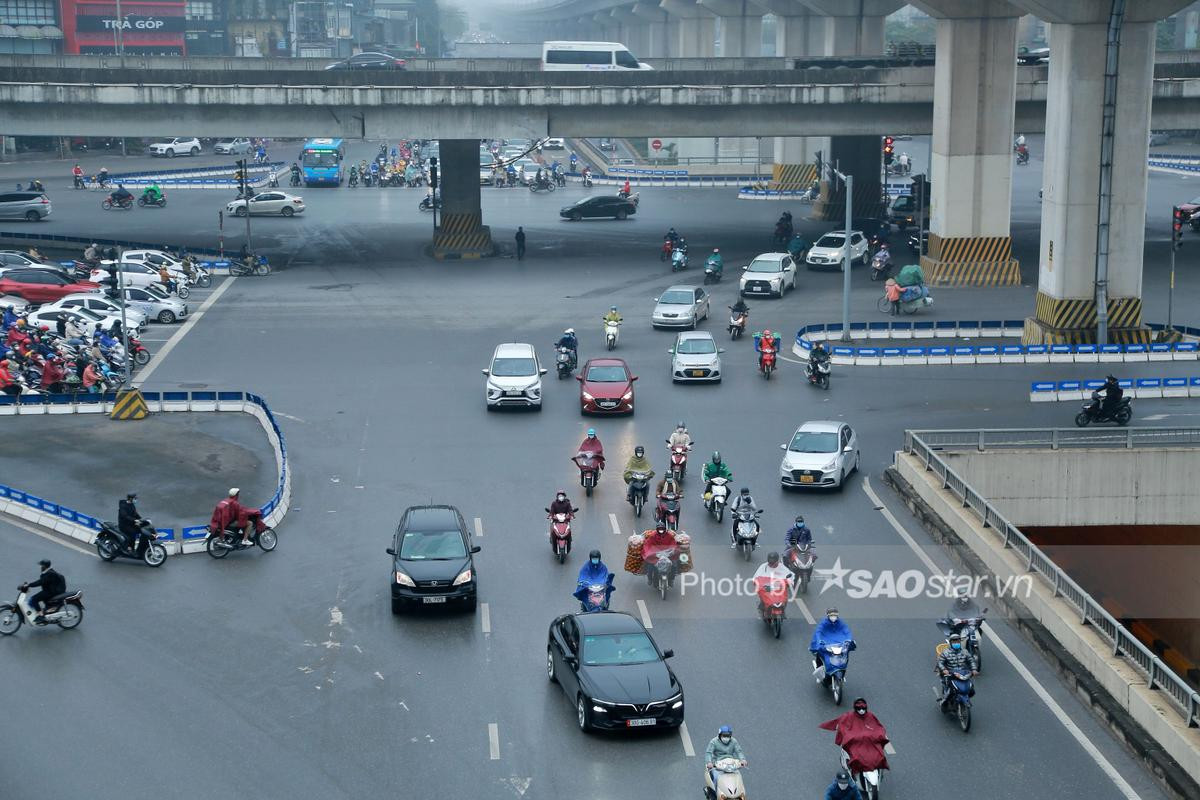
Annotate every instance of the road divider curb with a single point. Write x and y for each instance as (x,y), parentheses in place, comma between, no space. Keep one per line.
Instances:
(83,527)
(1144,388)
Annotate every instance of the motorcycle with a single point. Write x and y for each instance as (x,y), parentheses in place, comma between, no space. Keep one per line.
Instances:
(679,259)
(868,780)
(1094,412)
(427,204)
(145,200)
(766,362)
(595,596)
(832,670)
(141,356)
(678,465)
(64,610)
(564,362)
(587,180)
(108,204)
(667,247)
(800,560)
(746,530)
(259,267)
(560,534)
(772,603)
(560,180)
(716,497)
(200,277)
(958,703)
(353,180)
(612,331)
(78,182)
(881,266)
(972,632)
(737,323)
(222,544)
(1022,155)
(112,544)
(668,510)
(783,234)
(589,470)
(729,784)
(639,490)
(712,271)
(661,567)
(818,374)
(541,186)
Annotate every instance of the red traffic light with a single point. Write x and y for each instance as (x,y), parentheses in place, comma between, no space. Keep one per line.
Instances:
(887,141)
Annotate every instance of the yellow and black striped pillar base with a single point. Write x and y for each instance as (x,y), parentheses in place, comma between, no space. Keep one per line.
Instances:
(970,261)
(462,236)
(1072,320)
(130,405)
(793,177)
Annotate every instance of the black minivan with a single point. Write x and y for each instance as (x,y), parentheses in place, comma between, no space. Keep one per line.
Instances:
(432,559)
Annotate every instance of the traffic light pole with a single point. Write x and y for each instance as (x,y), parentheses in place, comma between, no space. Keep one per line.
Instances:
(124,324)
(1171,290)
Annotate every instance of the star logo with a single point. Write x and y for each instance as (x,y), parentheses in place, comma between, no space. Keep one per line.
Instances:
(834,576)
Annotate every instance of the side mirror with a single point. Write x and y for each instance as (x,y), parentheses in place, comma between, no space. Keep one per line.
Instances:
(391,551)
(656,299)
(476,549)
(720,349)
(783,447)
(542,371)
(847,449)
(745,268)
(486,371)
(668,653)
(579,378)
(671,350)
(634,378)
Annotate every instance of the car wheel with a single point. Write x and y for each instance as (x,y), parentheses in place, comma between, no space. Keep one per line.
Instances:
(195,151)
(241,211)
(841,484)
(166,317)
(621,214)
(550,665)
(857,456)
(286,211)
(170,154)
(32,216)
(581,714)
(576,216)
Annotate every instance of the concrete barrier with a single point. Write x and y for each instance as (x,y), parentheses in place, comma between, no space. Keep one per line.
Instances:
(189,538)
(1144,388)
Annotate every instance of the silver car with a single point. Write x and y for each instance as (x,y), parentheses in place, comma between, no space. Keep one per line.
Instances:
(154,302)
(695,357)
(514,377)
(94,301)
(272,202)
(29,206)
(232,146)
(680,307)
(819,454)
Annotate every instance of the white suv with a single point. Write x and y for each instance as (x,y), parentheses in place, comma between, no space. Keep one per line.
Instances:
(179,146)
(515,377)
(830,250)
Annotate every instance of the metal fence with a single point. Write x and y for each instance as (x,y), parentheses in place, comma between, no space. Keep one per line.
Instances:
(927,446)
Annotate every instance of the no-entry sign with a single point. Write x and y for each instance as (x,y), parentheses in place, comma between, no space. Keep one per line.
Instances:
(656,144)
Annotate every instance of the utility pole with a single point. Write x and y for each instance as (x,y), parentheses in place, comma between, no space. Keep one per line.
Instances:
(124,324)
(244,193)
(847,261)
(433,190)
(119,40)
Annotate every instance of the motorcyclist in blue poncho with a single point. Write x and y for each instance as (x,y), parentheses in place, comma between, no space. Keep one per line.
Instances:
(830,630)
(594,572)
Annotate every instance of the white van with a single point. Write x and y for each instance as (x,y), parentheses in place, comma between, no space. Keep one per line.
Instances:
(576,56)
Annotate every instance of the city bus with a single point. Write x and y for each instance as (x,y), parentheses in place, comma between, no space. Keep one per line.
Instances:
(321,162)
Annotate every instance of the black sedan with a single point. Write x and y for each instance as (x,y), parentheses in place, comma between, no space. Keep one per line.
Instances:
(432,563)
(602,206)
(369,61)
(613,671)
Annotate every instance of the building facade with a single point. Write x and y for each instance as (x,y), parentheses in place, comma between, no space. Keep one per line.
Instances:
(30,26)
(147,28)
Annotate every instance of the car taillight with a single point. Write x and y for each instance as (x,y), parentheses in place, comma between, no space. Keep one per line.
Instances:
(45,200)
(297,201)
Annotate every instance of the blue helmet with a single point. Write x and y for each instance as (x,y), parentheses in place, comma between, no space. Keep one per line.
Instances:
(724,729)
(591,432)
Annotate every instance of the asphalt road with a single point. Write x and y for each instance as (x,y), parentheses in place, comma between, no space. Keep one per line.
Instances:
(291,665)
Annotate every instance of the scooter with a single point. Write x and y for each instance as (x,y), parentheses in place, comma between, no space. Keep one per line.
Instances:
(716,497)
(200,277)
(612,331)
(595,596)
(564,362)
(1094,412)
(712,271)
(1022,155)
(832,670)
(661,569)
(427,204)
(141,356)
(881,266)
(560,534)
(639,490)
(222,544)
(259,267)
(587,180)
(958,703)
(772,603)
(729,784)
(746,530)
(108,204)
(818,374)
(868,780)
(971,631)
(589,470)
(667,247)
(678,466)
(667,510)
(800,561)
(145,200)
(353,180)
(64,610)
(737,323)
(766,362)
(679,259)
(112,544)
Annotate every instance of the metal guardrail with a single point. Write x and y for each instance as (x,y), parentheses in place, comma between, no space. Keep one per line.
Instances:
(926,446)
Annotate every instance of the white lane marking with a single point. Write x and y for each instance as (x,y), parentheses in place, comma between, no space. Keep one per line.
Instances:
(25,526)
(887,748)
(895,523)
(493,741)
(616,526)
(645,612)
(161,356)
(478,527)
(486,617)
(1059,713)
(288,416)
(808,617)
(688,750)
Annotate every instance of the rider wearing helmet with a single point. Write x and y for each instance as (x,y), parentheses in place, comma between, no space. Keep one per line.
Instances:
(723,745)
(832,629)
(743,500)
(571,342)
(818,353)
(51,584)
(716,261)
(593,571)
(561,505)
(680,437)
(591,444)
(963,608)
(637,463)
(798,534)
(716,468)
(612,315)
(842,788)
(954,659)
(774,570)
(766,341)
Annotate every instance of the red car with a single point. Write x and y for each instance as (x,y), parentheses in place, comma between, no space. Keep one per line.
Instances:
(606,387)
(41,285)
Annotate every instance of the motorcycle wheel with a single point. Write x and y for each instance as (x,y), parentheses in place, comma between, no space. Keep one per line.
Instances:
(977,650)
(141,201)
(1123,416)
(824,382)
(267,540)
(10,620)
(107,549)
(204,281)
(767,373)
(106,205)
(835,686)
(776,627)
(215,546)
(262,269)
(746,549)
(72,615)
(561,555)
(1082,419)
(611,343)
(720,512)
(638,502)
(803,585)
(588,490)
(662,586)
(964,717)
(155,555)
(182,291)
(142,357)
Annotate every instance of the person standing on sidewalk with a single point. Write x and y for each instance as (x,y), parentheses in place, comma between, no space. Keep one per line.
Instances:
(520,237)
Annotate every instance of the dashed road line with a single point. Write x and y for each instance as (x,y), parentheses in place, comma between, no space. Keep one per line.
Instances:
(479,527)
(688,750)
(485,616)
(645,612)
(808,616)
(162,354)
(493,741)
(616,526)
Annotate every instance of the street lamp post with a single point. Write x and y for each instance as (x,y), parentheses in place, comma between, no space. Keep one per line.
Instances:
(849,181)
(124,324)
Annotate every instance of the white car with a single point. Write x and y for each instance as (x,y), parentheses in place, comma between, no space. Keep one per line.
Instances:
(156,303)
(680,307)
(179,146)
(819,454)
(554,143)
(527,170)
(232,146)
(273,202)
(830,250)
(140,275)
(695,357)
(90,321)
(100,304)
(771,274)
(153,258)
(515,377)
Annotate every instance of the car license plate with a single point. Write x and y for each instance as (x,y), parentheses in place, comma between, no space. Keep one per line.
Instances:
(806,478)
(433,599)
(514,393)
(697,373)
(639,723)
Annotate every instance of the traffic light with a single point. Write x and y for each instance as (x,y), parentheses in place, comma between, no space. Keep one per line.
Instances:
(433,173)
(1178,217)
(240,177)
(889,149)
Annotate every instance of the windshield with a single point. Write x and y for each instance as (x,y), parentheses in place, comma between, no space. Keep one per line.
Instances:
(676,298)
(814,442)
(626,59)
(156,290)
(696,347)
(764,265)
(618,649)
(432,546)
(320,158)
(92,315)
(831,241)
(513,367)
(610,374)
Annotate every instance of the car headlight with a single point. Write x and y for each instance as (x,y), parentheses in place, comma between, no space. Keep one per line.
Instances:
(628,395)
(587,397)
(775,281)
(463,577)
(829,466)
(604,703)
(403,579)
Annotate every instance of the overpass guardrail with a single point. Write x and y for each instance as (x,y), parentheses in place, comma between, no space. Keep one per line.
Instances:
(926,446)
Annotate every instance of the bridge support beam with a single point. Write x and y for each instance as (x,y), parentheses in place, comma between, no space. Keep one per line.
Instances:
(741,26)
(634,33)
(695,35)
(461,232)
(975,84)
(655,21)
(853,29)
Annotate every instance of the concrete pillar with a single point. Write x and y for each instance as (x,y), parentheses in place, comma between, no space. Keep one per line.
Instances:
(859,156)
(461,232)
(853,28)
(798,32)
(971,161)
(741,26)
(695,34)
(635,34)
